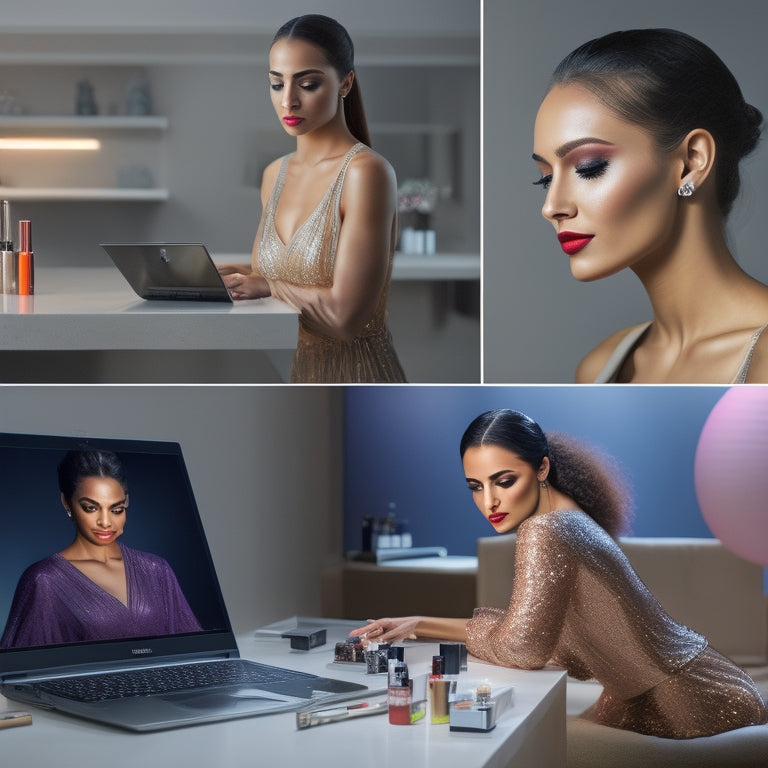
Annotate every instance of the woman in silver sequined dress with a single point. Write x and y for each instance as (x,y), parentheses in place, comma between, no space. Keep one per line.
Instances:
(576,601)
(327,234)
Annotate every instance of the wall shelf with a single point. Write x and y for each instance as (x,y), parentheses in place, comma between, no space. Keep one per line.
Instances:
(152,194)
(80,122)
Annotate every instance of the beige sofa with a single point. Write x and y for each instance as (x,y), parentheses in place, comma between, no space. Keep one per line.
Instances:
(701,585)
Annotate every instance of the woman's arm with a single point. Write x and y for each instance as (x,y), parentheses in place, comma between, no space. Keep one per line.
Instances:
(526,634)
(413,627)
(368,205)
(243,281)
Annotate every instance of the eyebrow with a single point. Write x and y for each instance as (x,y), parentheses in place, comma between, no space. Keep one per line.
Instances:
(494,476)
(96,503)
(299,74)
(569,146)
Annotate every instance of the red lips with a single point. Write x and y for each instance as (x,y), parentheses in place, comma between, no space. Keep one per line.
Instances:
(573,242)
(292,120)
(496,517)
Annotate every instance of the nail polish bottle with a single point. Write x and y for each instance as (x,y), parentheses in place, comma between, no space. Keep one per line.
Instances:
(399,694)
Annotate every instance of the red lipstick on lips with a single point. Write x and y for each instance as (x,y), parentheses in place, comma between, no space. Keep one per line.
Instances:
(292,120)
(573,242)
(496,517)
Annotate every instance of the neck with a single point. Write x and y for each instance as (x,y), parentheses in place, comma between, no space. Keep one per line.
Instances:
(695,284)
(329,141)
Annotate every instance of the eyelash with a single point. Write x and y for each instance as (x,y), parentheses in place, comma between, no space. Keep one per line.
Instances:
(311,86)
(588,171)
(504,482)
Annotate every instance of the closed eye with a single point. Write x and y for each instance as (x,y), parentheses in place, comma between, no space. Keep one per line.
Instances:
(592,170)
(544,181)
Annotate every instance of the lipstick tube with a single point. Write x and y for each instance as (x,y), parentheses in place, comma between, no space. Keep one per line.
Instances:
(25,260)
(7,256)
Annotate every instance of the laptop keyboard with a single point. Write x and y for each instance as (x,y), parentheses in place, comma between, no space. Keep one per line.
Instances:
(159,680)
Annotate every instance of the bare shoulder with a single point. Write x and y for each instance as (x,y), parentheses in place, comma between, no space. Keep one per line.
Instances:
(269,177)
(758,367)
(594,361)
(369,167)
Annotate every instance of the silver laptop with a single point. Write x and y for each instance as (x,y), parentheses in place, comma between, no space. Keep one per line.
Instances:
(163,657)
(169,271)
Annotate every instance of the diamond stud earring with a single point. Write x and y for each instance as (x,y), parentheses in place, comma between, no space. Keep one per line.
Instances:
(686,189)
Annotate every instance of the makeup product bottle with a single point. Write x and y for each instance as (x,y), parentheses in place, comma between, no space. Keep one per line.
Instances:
(399,694)
(25,260)
(439,692)
(7,256)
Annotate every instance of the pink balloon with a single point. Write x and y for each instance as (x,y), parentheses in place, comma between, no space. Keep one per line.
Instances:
(731,472)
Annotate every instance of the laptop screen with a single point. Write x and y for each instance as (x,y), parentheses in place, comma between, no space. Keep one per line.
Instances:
(59,607)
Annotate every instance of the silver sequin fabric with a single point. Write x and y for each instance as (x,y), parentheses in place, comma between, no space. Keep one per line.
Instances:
(308,260)
(577,603)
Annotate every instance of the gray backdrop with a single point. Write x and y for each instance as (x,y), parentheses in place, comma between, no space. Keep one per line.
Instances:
(539,321)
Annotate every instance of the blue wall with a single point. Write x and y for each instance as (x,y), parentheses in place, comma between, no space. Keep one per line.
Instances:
(402,447)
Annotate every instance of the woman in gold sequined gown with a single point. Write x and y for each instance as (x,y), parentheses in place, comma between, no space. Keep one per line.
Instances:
(576,601)
(327,234)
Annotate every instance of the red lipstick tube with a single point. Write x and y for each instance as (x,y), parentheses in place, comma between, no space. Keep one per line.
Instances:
(25,260)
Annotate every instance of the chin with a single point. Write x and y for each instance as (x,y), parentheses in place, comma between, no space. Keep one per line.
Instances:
(586,272)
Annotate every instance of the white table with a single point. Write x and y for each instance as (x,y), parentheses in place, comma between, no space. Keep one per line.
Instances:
(93,308)
(532,733)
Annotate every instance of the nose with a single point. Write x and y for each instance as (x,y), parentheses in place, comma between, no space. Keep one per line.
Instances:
(490,499)
(103,519)
(558,204)
(290,96)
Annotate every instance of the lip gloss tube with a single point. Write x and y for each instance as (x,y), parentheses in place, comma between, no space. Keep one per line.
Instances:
(7,256)
(25,260)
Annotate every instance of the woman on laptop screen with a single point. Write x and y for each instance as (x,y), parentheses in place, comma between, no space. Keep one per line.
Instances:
(327,233)
(576,602)
(96,588)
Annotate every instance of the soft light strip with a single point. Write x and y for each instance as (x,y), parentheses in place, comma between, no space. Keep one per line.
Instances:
(50,143)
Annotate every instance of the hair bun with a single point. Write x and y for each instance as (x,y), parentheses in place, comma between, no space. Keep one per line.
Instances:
(753,128)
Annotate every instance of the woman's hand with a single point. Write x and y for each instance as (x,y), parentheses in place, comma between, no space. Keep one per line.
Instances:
(243,285)
(388,630)
(228,269)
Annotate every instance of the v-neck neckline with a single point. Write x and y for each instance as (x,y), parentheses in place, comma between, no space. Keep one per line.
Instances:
(98,586)
(285,245)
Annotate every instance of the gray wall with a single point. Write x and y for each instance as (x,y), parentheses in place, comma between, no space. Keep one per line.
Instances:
(538,320)
(265,464)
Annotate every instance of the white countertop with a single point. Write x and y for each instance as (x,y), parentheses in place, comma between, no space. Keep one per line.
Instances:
(79,308)
(438,267)
(531,734)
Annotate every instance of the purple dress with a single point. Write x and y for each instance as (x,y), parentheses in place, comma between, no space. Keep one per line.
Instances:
(56,603)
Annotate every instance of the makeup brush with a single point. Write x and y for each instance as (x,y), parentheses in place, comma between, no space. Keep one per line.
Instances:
(322,716)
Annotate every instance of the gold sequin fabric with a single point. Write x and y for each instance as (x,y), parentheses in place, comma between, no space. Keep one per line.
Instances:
(308,260)
(577,603)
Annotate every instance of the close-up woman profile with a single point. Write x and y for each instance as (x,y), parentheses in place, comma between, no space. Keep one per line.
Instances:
(639,141)
(328,228)
(575,601)
(96,588)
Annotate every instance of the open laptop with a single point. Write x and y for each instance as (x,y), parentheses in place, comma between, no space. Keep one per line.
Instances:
(63,639)
(170,271)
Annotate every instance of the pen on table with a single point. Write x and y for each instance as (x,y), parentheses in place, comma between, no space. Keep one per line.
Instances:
(15,718)
(337,714)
